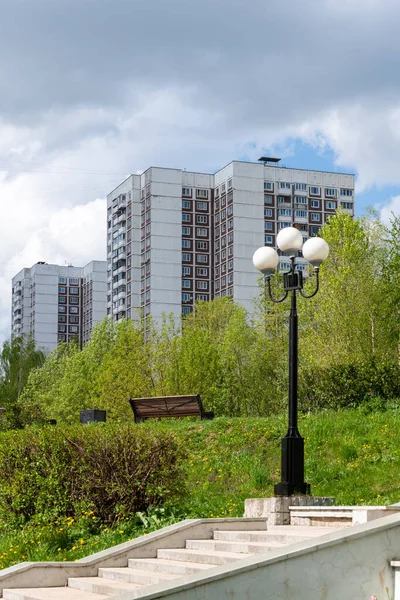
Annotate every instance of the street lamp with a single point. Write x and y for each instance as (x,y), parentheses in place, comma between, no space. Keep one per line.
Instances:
(315,250)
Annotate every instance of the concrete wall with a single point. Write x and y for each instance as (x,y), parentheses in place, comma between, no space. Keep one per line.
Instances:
(354,564)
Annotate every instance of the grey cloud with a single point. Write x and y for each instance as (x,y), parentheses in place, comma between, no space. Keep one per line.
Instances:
(261,61)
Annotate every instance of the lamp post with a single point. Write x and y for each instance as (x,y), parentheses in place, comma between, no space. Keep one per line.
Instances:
(266,260)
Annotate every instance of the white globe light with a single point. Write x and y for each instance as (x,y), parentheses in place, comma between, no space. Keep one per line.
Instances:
(265,260)
(315,250)
(289,240)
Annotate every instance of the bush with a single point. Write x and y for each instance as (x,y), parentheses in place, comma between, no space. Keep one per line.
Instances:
(111,469)
(350,385)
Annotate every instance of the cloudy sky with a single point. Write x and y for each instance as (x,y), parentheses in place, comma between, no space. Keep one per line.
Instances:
(93,90)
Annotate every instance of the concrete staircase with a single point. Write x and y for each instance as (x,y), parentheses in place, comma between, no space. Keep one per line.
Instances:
(198,556)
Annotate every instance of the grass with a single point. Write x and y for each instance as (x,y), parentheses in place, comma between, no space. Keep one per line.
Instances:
(352,455)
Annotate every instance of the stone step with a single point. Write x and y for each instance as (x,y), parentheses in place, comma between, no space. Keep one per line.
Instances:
(161,565)
(99,585)
(211,557)
(135,575)
(289,535)
(228,546)
(51,593)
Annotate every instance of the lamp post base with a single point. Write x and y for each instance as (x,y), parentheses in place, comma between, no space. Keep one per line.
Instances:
(292,467)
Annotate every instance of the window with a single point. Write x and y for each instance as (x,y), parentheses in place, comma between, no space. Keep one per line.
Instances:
(300,187)
(200,245)
(300,200)
(268,185)
(223,255)
(315,217)
(283,185)
(230,278)
(73,329)
(345,192)
(202,285)
(73,319)
(217,194)
(268,226)
(73,310)
(62,319)
(282,199)
(223,281)
(230,238)
(202,205)
(185,283)
(346,205)
(185,243)
(62,280)
(314,203)
(202,272)
(202,297)
(201,219)
(230,251)
(185,271)
(315,191)
(229,184)
(268,199)
(223,188)
(267,212)
(202,193)
(230,210)
(186,192)
(200,232)
(62,329)
(230,196)
(62,300)
(185,230)
(62,289)
(73,281)
(186,310)
(285,212)
(314,230)
(74,290)
(202,258)
(62,338)
(268,239)
(186,297)
(230,264)
(62,309)
(330,192)
(186,257)
(303,214)
(74,300)
(185,218)
(331,205)
(283,225)
(186,203)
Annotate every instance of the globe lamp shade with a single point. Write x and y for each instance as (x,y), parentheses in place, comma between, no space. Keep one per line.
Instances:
(289,240)
(265,260)
(315,250)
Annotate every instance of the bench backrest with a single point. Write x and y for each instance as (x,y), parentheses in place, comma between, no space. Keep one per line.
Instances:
(166,406)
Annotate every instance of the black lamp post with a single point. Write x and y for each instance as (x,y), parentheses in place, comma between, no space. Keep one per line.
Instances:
(266,259)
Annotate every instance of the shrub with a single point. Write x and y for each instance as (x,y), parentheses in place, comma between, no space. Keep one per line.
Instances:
(350,385)
(110,469)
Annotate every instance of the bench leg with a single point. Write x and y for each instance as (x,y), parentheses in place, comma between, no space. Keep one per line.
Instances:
(208,416)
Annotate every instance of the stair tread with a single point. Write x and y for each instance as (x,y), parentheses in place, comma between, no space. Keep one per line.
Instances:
(166,562)
(51,593)
(251,544)
(221,553)
(133,571)
(113,584)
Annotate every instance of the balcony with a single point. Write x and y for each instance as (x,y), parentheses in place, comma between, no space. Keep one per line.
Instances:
(120,270)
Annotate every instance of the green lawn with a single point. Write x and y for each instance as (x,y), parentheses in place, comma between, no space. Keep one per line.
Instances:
(351,455)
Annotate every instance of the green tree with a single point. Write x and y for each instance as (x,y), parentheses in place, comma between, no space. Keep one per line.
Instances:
(18,358)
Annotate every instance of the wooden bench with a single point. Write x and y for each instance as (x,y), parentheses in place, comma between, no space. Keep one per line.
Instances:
(168,406)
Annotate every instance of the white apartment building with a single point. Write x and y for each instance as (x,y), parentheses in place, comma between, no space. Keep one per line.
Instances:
(57,303)
(174,237)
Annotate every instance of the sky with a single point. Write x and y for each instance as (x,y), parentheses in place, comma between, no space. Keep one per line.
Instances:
(93,90)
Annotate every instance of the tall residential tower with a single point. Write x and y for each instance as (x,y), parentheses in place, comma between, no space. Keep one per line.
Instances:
(174,237)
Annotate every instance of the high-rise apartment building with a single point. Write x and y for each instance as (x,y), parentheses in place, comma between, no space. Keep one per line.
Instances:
(54,303)
(174,237)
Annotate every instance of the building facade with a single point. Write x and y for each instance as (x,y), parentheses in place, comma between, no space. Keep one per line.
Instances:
(174,237)
(54,303)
